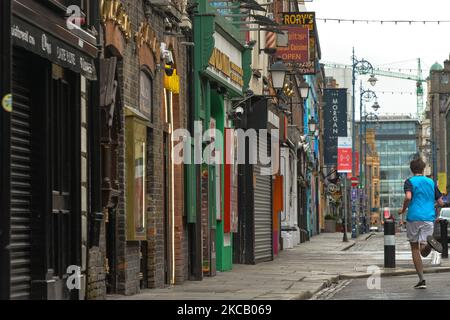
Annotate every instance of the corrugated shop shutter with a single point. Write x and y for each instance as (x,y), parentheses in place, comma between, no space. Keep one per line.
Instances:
(21,179)
(263,213)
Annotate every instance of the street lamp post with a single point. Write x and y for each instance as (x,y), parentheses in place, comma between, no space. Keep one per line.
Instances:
(344,206)
(368,199)
(365,96)
(358,67)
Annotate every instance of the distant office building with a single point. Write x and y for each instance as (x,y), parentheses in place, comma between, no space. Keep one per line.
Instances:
(396,144)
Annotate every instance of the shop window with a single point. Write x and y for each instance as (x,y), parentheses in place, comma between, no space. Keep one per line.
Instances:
(146,95)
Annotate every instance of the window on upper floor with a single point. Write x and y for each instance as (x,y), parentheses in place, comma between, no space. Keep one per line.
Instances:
(146,94)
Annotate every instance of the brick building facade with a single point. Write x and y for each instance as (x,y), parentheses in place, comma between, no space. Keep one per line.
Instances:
(137,251)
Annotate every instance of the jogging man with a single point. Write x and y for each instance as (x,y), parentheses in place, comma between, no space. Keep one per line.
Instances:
(421,193)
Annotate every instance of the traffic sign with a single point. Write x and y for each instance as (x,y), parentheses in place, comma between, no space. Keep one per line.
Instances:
(355,181)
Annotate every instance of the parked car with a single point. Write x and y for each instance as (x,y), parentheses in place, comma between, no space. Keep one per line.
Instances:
(444,214)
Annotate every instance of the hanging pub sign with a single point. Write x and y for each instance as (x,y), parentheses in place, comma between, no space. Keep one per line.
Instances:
(293,22)
(335,122)
(297,49)
(47,46)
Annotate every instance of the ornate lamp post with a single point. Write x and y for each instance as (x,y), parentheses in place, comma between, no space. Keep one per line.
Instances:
(358,67)
(371,117)
(365,96)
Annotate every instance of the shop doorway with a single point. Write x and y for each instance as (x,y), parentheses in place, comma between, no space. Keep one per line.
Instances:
(45,178)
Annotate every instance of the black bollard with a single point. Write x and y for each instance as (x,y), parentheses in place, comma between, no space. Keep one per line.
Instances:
(444,238)
(389,244)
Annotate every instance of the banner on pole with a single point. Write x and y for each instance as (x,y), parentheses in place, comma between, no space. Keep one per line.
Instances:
(344,154)
(335,120)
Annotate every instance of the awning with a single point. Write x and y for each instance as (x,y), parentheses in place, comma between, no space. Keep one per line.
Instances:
(38,41)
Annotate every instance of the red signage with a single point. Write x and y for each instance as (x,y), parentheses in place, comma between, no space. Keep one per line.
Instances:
(344,160)
(344,154)
(355,182)
(298,45)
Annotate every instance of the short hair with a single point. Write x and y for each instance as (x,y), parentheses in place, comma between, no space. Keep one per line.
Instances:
(417,166)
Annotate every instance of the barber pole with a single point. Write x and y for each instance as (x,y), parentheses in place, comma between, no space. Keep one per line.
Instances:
(270,40)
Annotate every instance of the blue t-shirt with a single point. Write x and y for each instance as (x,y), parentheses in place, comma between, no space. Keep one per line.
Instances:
(424,194)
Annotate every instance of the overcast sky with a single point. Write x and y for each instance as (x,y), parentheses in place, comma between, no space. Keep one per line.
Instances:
(385,45)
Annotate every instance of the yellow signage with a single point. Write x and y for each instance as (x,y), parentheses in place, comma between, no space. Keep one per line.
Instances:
(442,182)
(113,10)
(221,62)
(147,36)
(300,18)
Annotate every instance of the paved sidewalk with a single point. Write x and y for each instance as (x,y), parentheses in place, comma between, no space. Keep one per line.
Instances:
(298,273)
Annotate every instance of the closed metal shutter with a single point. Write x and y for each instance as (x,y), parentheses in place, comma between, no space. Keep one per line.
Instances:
(21,179)
(263,213)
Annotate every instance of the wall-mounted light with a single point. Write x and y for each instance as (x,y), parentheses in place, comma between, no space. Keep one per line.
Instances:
(278,72)
(236,113)
(312,126)
(304,90)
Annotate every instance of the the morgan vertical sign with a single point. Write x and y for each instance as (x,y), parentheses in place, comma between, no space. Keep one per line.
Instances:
(335,120)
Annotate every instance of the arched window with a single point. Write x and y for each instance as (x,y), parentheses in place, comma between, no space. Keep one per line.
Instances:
(146,94)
